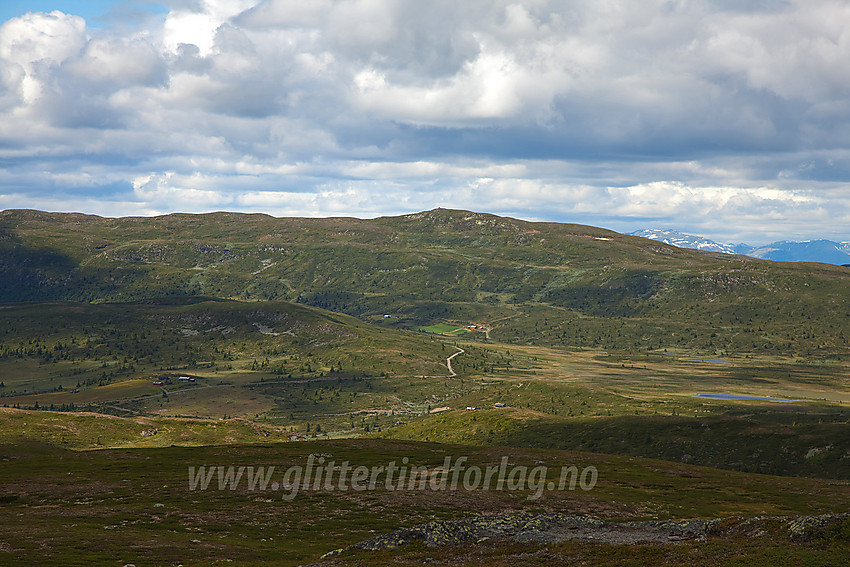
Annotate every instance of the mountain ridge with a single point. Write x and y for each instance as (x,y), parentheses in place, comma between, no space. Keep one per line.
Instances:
(818,250)
(557,284)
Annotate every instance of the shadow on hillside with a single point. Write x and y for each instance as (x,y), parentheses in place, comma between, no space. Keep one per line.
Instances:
(769,444)
(29,273)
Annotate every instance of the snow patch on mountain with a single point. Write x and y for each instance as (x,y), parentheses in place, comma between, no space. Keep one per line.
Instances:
(824,251)
(682,240)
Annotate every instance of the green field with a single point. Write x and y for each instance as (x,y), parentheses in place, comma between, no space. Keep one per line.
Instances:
(443,329)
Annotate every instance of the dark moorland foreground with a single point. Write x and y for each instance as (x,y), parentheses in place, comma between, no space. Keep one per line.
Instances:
(134,351)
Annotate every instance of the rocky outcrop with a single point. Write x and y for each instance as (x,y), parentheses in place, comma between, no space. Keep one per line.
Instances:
(550,528)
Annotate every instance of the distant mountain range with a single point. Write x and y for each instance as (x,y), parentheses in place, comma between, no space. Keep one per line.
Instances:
(825,251)
(685,240)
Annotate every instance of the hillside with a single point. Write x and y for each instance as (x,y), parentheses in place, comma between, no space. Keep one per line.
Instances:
(275,360)
(407,339)
(529,283)
(345,327)
(122,506)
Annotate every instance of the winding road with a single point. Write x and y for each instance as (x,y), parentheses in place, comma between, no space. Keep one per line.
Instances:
(449,361)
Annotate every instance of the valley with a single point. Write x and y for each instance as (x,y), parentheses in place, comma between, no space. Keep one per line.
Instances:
(139,347)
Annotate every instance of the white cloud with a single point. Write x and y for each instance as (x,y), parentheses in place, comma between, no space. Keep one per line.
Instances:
(282,13)
(797,52)
(121,62)
(197,23)
(35,37)
(364,24)
(171,191)
(37,43)
(609,112)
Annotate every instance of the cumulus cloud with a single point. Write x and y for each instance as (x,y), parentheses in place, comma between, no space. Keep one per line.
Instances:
(619,113)
(34,45)
(42,37)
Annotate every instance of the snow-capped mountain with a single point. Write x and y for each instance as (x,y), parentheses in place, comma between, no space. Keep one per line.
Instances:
(825,251)
(685,240)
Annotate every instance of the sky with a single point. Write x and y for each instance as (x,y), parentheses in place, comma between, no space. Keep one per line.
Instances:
(724,118)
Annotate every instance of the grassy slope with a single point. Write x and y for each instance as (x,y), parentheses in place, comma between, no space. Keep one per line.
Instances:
(559,285)
(801,443)
(134,506)
(252,359)
(199,333)
(533,283)
(84,431)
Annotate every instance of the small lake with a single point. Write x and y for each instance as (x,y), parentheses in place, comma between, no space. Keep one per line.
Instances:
(738,397)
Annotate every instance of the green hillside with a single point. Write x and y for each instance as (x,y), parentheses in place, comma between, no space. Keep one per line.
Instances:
(529,283)
(284,363)
(406,339)
(345,327)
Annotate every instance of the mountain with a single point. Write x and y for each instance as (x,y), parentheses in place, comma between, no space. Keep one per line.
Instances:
(682,240)
(551,284)
(823,251)
(565,336)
